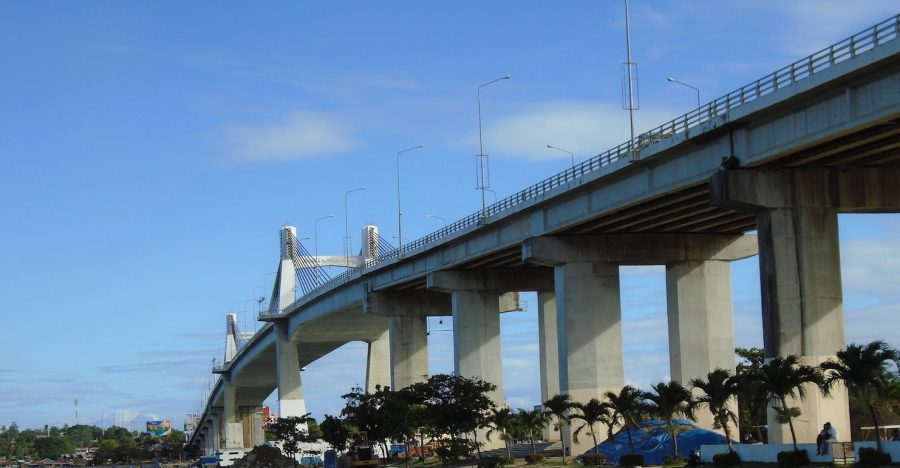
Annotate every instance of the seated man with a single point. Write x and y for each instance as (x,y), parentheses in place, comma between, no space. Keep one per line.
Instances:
(827,436)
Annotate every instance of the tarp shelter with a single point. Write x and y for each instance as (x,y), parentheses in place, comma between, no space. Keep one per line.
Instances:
(654,442)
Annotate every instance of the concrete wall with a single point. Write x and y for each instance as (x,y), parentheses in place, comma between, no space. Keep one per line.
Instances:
(768,453)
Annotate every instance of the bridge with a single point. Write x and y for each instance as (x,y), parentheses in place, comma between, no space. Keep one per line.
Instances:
(763,170)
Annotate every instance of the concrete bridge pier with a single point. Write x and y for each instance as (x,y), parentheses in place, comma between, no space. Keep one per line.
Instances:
(548,345)
(407,313)
(233,429)
(477,298)
(800,271)
(378,363)
(287,373)
(588,307)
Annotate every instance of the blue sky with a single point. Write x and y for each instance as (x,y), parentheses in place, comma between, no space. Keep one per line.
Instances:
(150,151)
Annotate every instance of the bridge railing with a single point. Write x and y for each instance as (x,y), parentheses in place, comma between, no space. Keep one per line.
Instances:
(866,40)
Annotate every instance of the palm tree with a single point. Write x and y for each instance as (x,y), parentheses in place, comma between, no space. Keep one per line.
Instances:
(592,412)
(667,401)
(558,407)
(751,397)
(531,423)
(864,370)
(719,388)
(785,377)
(629,407)
(505,422)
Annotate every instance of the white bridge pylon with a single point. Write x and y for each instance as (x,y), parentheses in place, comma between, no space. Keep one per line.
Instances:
(297,265)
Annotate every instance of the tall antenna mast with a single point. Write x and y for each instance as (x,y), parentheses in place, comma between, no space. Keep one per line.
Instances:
(630,72)
(76,411)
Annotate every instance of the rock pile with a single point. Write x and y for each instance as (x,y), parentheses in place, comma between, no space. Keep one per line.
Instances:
(264,456)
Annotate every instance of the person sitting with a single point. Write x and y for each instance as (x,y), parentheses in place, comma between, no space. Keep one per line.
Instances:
(827,436)
(694,459)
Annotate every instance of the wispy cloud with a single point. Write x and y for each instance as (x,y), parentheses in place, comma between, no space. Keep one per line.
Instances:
(582,127)
(299,135)
(819,23)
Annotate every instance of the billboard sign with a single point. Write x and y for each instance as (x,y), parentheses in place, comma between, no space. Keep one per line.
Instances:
(159,428)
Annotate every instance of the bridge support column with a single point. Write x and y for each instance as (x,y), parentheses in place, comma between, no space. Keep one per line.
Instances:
(409,350)
(476,338)
(589,312)
(548,345)
(701,333)
(407,313)
(800,271)
(234,430)
(378,363)
(287,373)
(216,433)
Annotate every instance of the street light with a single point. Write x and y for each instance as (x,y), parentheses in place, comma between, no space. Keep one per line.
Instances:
(429,216)
(347,225)
(482,164)
(399,210)
(673,80)
(571,154)
(316,234)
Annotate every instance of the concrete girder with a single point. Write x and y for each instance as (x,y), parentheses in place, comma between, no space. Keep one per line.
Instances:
(531,279)
(849,190)
(637,249)
(407,303)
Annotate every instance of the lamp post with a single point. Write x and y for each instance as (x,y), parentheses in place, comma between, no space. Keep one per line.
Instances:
(571,154)
(482,163)
(673,80)
(429,216)
(399,209)
(347,225)
(316,235)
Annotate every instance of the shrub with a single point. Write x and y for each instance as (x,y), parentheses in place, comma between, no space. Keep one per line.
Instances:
(454,450)
(726,459)
(869,456)
(534,458)
(793,458)
(670,460)
(593,459)
(632,459)
(492,462)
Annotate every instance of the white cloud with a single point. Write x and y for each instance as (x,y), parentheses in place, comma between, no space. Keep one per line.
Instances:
(578,126)
(820,23)
(300,135)
(869,266)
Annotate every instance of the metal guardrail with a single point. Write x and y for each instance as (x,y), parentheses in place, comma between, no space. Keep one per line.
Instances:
(864,41)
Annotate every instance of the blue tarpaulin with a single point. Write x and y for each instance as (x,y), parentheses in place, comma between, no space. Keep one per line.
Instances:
(654,442)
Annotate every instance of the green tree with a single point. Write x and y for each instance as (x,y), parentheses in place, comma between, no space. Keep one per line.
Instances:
(335,432)
(457,405)
(668,400)
(117,433)
(53,446)
(864,370)
(291,432)
(532,424)
(505,422)
(173,444)
(751,395)
(786,377)
(558,408)
(592,413)
(106,451)
(126,450)
(83,435)
(719,388)
(628,409)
